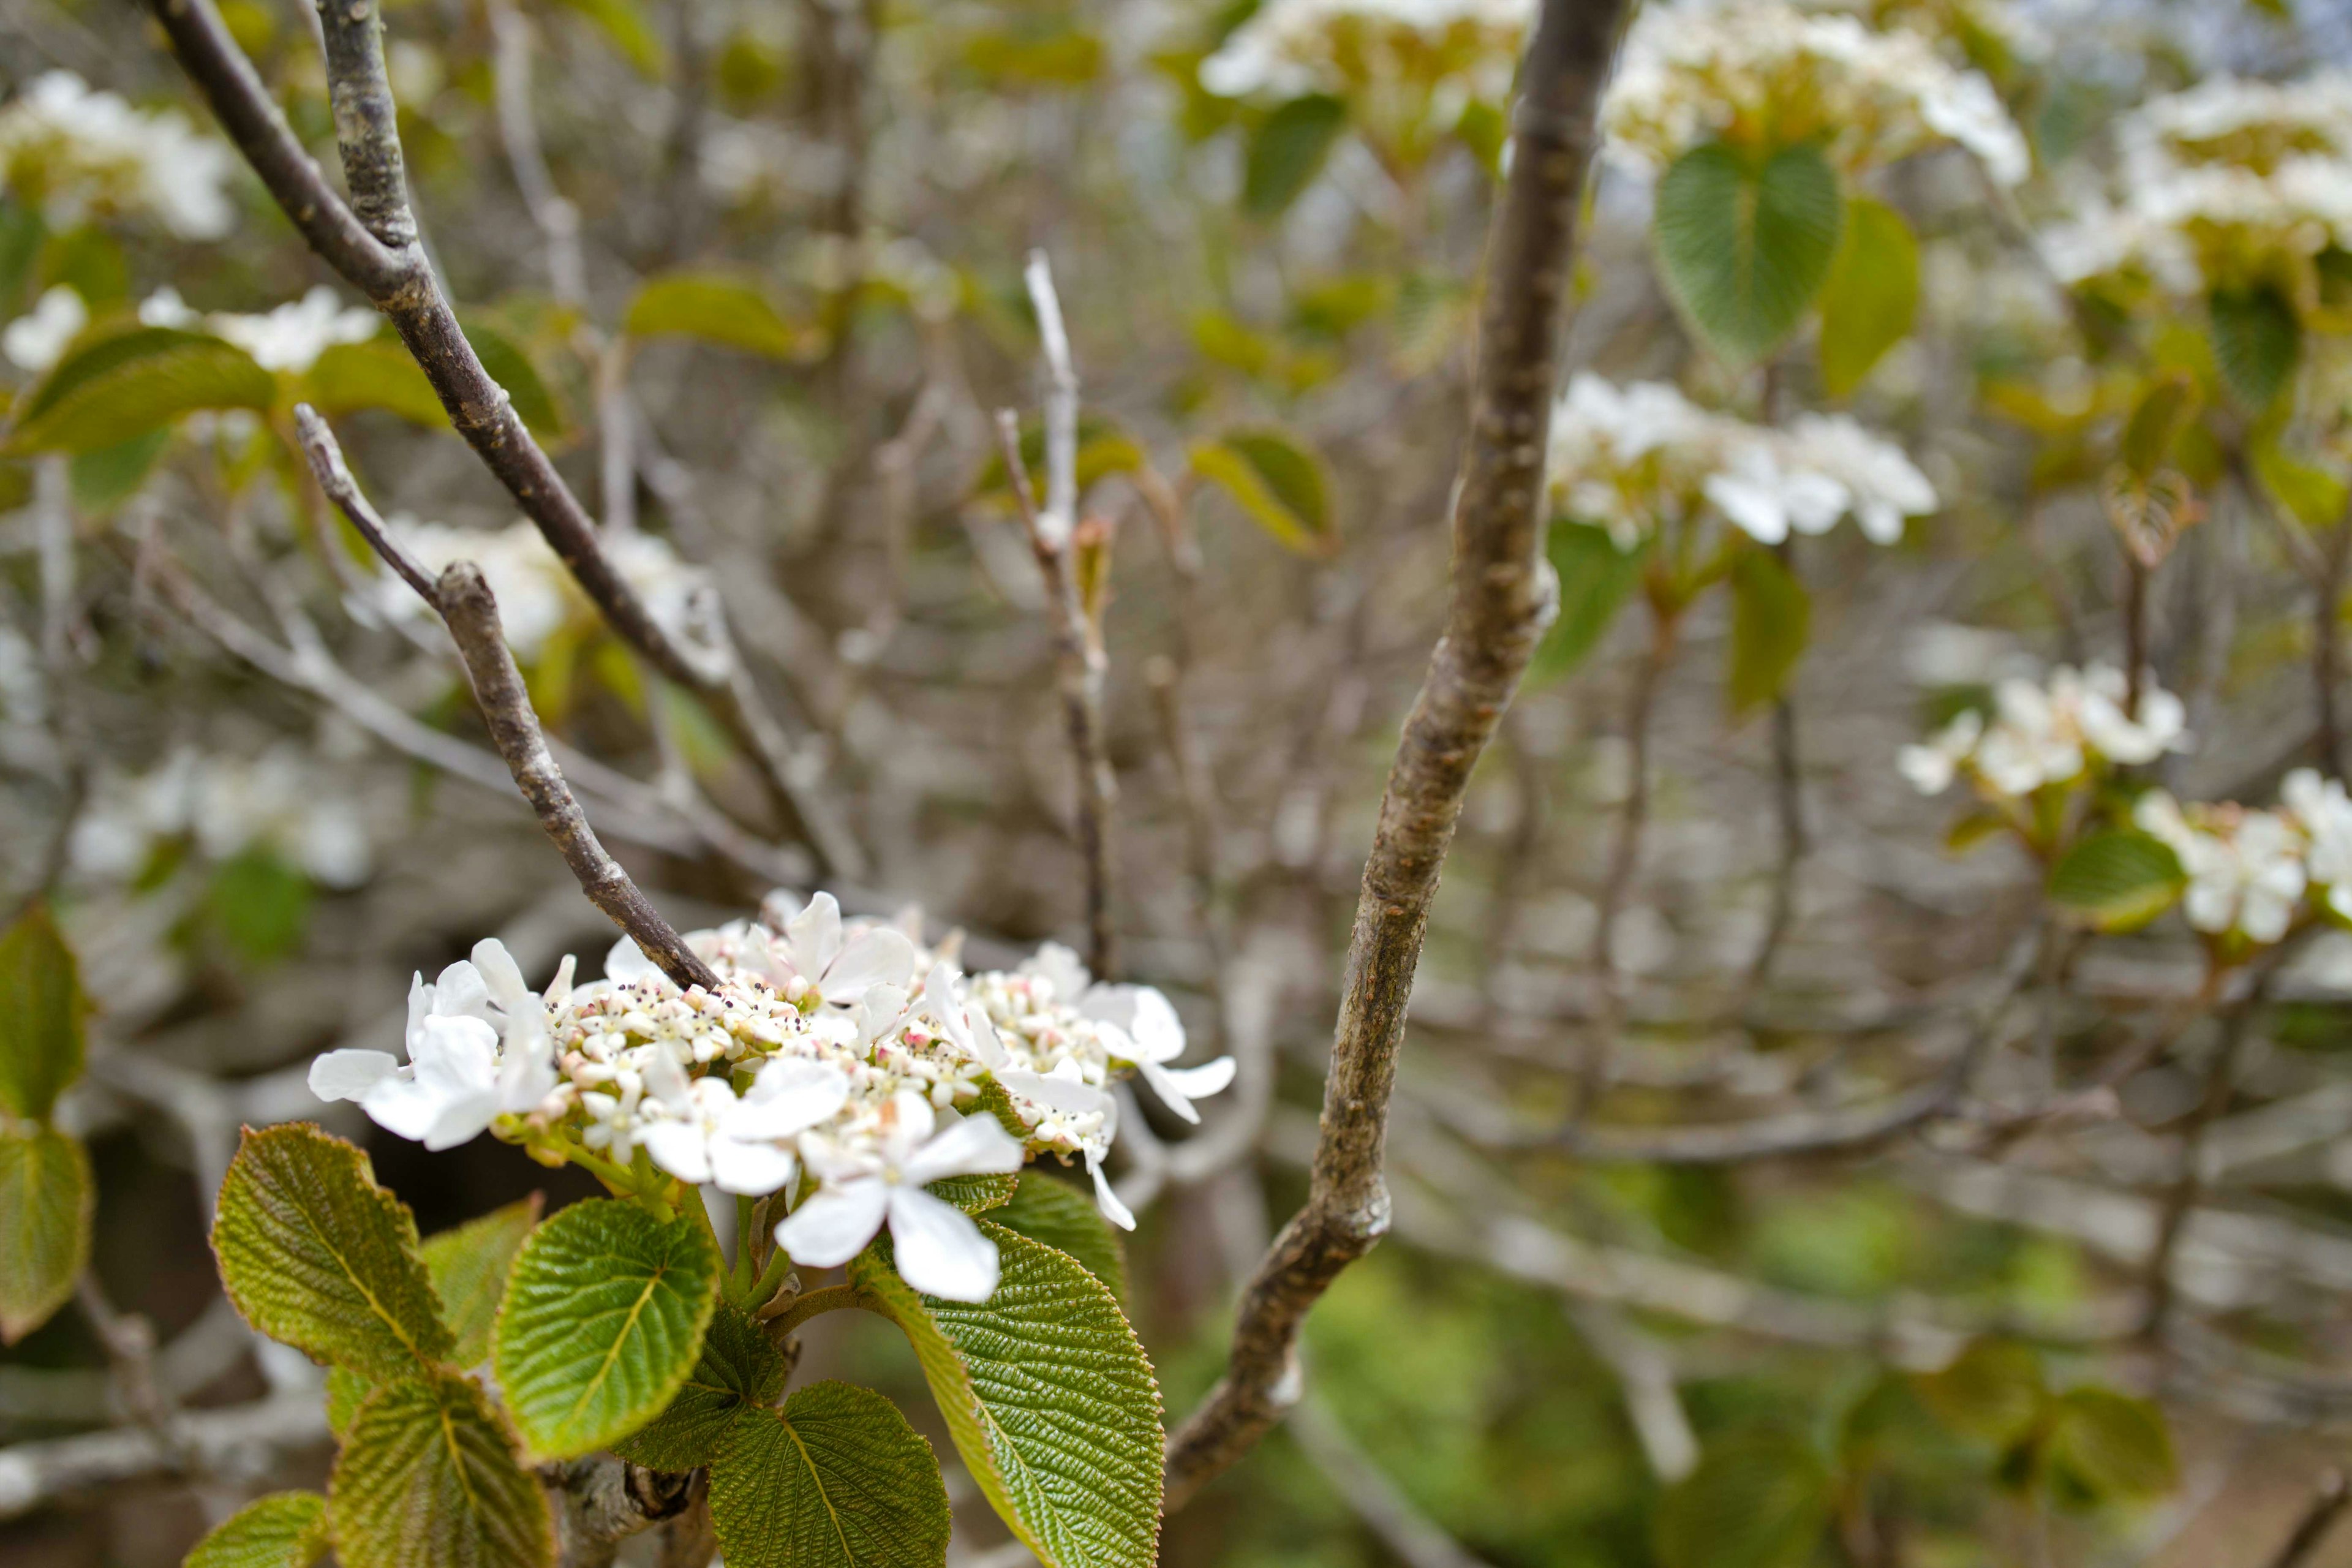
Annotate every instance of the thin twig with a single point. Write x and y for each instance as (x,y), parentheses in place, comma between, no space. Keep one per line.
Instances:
(1597,1061)
(2328,1504)
(1500,602)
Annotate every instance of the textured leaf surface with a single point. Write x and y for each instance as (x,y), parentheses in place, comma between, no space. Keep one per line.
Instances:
(2111,1445)
(602,1319)
(975,1194)
(1758,1499)
(835,1479)
(377,374)
(46,1198)
(737,1370)
(2257,341)
(468,1265)
(284,1529)
(1278,481)
(41,1016)
(2117,879)
(1745,247)
(1063,1217)
(109,388)
(1871,294)
(428,1478)
(346,1392)
(715,307)
(1771,617)
(1049,1399)
(1287,150)
(1595,580)
(318,1257)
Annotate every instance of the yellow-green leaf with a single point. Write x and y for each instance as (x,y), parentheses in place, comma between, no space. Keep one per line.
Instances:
(2113,1447)
(283,1529)
(623,23)
(1595,580)
(835,1479)
(1992,1392)
(377,374)
(428,1478)
(1049,1210)
(113,385)
(2257,341)
(1286,151)
(1278,481)
(1871,294)
(42,1012)
(508,365)
(1758,1499)
(469,1269)
(738,1369)
(716,308)
(2117,879)
(1771,617)
(46,1199)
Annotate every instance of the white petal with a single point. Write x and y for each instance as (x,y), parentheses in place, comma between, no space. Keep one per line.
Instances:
(1107,1200)
(1200,1082)
(940,1252)
(1157,1031)
(984,1042)
(906,1126)
(500,975)
(975,1146)
(791,1095)
(403,1108)
(814,936)
(463,1118)
(525,1078)
(460,994)
(455,1056)
(1056,1093)
(878,955)
(348,1074)
(679,1148)
(750,1170)
(666,1081)
(626,964)
(834,1225)
(1166,1087)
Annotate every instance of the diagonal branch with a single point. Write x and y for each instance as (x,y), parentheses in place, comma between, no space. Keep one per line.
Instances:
(1502,598)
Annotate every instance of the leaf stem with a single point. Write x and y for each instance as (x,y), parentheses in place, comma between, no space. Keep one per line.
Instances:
(816,1303)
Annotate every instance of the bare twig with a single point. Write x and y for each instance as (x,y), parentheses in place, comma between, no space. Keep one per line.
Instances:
(2319,1516)
(1417,1541)
(130,1342)
(1597,1060)
(1501,601)
(239,1441)
(602,1502)
(557,220)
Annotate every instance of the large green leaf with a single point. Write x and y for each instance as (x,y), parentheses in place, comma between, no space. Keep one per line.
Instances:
(318,1257)
(2113,1446)
(603,1321)
(42,1010)
(1278,481)
(2257,341)
(377,374)
(1048,1396)
(428,1478)
(2117,879)
(1745,247)
(1595,580)
(469,1269)
(1287,150)
(1992,1392)
(738,1369)
(46,1198)
(715,307)
(283,1529)
(114,385)
(104,479)
(835,1479)
(1871,294)
(1057,1214)
(1771,617)
(1758,1499)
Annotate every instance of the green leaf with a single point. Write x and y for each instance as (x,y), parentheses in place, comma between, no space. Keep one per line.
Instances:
(42,1010)
(715,307)
(835,1479)
(284,1529)
(512,369)
(1278,481)
(1287,152)
(259,903)
(1595,580)
(1771,616)
(114,385)
(346,1392)
(2314,496)
(738,1369)
(318,1257)
(428,1478)
(104,479)
(603,1321)
(45,1200)
(1052,1211)
(625,24)
(2112,1445)
(1008,1375)
(1992,1392)
(1758,1499)
(1871,296)
(2117,879)
(377,374)
(2257,341)
(2163,411)
(1746,247)
(975,1194)
(1105,448)
(469,1269)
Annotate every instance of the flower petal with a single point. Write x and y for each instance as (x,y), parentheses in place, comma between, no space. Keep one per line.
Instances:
(975,1146)
(679,1148)
(750,1170)
(834,1225)
(626,964)
(348,1074)
(940,1251)
(460,994)
(1170,1094)
(878,955)
(791,1095)
(1200,1082)
(813,936)
(1106,1199)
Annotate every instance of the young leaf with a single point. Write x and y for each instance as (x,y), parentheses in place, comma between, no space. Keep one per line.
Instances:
(835,1479)
(1595,580)
(2315,496)
(1745,247)
(377,374)
(104,479)
(1992,1392)
(283,1529)
(45,1198)
(1058,1214)
(1871,294)
(1278,481)
(2163,411)
(318,1257)
(469,1269)
(118,385)
(714,307)
(2257,340)
(602,1322)
(2112,1445)
(42,1010)
(428,1478)
(1287,150)
(1771,617)
(1080,1491)
(2117,879)
(1758,1499)
(738,1369)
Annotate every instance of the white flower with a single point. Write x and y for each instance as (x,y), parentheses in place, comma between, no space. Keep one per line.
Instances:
(36,340)
(740,1145)
(2325,812)
(2046,734)
(535,590)
(2162,725)
(1931,767)
(1768,500)
(1150,1034)
(1881,485)
(78,150)
(292,337)
(2245,869)
(842,971)
(938,1249)
(280,801)
(1294,47)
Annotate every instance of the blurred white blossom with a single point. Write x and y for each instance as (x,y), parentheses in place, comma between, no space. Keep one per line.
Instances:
(36,340)
(282,799)
(1289,48)
(289,338)
(535,590)
(2048,733)
(79,152)
(2245,867)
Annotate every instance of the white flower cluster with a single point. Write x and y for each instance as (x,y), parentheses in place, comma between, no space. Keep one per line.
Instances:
(1635,457)
(1288,48)
(2222,184)
(2048,734)
(839,1064)
(224,806)
(37,339)
(1695,70)
(535,590)
(80,151)
(2248,870)
(289,338)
